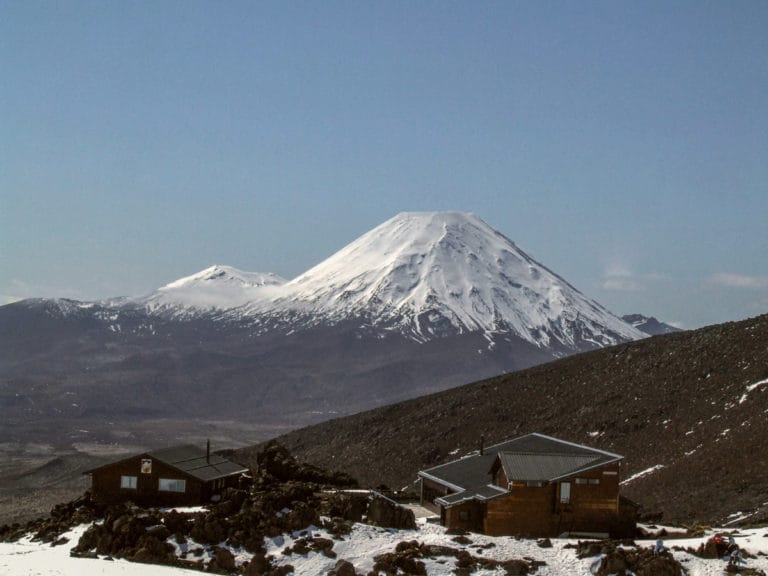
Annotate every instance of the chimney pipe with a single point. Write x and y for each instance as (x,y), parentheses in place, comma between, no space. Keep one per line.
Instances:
(482,444)
(208,451)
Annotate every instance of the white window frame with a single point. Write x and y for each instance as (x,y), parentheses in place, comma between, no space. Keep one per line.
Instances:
(565,492)
(171,485)
(128,482)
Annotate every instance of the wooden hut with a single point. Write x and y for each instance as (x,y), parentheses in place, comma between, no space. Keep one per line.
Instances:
(534,485)
(179,476)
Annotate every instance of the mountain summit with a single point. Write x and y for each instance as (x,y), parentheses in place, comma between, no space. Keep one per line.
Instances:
(429,274)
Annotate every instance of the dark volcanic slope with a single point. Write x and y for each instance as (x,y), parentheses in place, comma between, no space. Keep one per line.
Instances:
(682,401)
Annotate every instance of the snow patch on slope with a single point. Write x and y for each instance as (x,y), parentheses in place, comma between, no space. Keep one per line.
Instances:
(642,473)
(750,388)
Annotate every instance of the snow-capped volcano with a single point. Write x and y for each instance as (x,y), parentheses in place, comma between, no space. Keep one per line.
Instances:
(431,273)
(215,288)
(422,274)
(423,302)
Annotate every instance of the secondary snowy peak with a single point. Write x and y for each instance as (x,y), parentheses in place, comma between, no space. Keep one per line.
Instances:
(221,275)
(215,288)
(430,273)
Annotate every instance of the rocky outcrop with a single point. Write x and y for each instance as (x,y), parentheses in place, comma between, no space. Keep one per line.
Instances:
(628,559)
(276,462)
(62,518)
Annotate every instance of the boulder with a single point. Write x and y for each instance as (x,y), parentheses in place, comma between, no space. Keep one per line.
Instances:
(638,561)
(343,568)
(222,560)
(258,566)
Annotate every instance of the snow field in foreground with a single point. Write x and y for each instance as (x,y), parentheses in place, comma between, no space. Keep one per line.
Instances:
(26,558)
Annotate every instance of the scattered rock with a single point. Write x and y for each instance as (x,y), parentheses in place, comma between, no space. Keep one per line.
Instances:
(408,554)
(637,561)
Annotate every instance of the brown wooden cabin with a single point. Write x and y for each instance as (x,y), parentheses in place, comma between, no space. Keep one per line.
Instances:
(178,476)
(534,486)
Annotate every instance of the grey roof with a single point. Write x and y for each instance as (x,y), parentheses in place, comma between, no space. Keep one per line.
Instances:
(479,493)
(463,473)
(192,460)
(533,457)
(544,467)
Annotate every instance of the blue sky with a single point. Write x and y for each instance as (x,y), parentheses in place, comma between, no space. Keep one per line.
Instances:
(624,145)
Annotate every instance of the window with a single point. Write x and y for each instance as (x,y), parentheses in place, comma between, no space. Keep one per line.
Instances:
(565,492)
(172,485)
(128,482)
(591,481)
(534,484)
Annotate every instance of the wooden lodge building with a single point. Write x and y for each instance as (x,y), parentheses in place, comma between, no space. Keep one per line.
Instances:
(534,485)
(178,476)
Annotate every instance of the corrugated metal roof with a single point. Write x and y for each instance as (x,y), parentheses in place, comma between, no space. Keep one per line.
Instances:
(544,467)
(463,473)
(193,461)
(533,457)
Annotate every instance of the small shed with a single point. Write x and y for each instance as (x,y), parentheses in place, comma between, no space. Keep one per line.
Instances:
(178,476)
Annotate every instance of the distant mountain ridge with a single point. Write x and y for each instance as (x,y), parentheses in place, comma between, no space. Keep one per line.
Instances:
(421,303)
(424,274)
